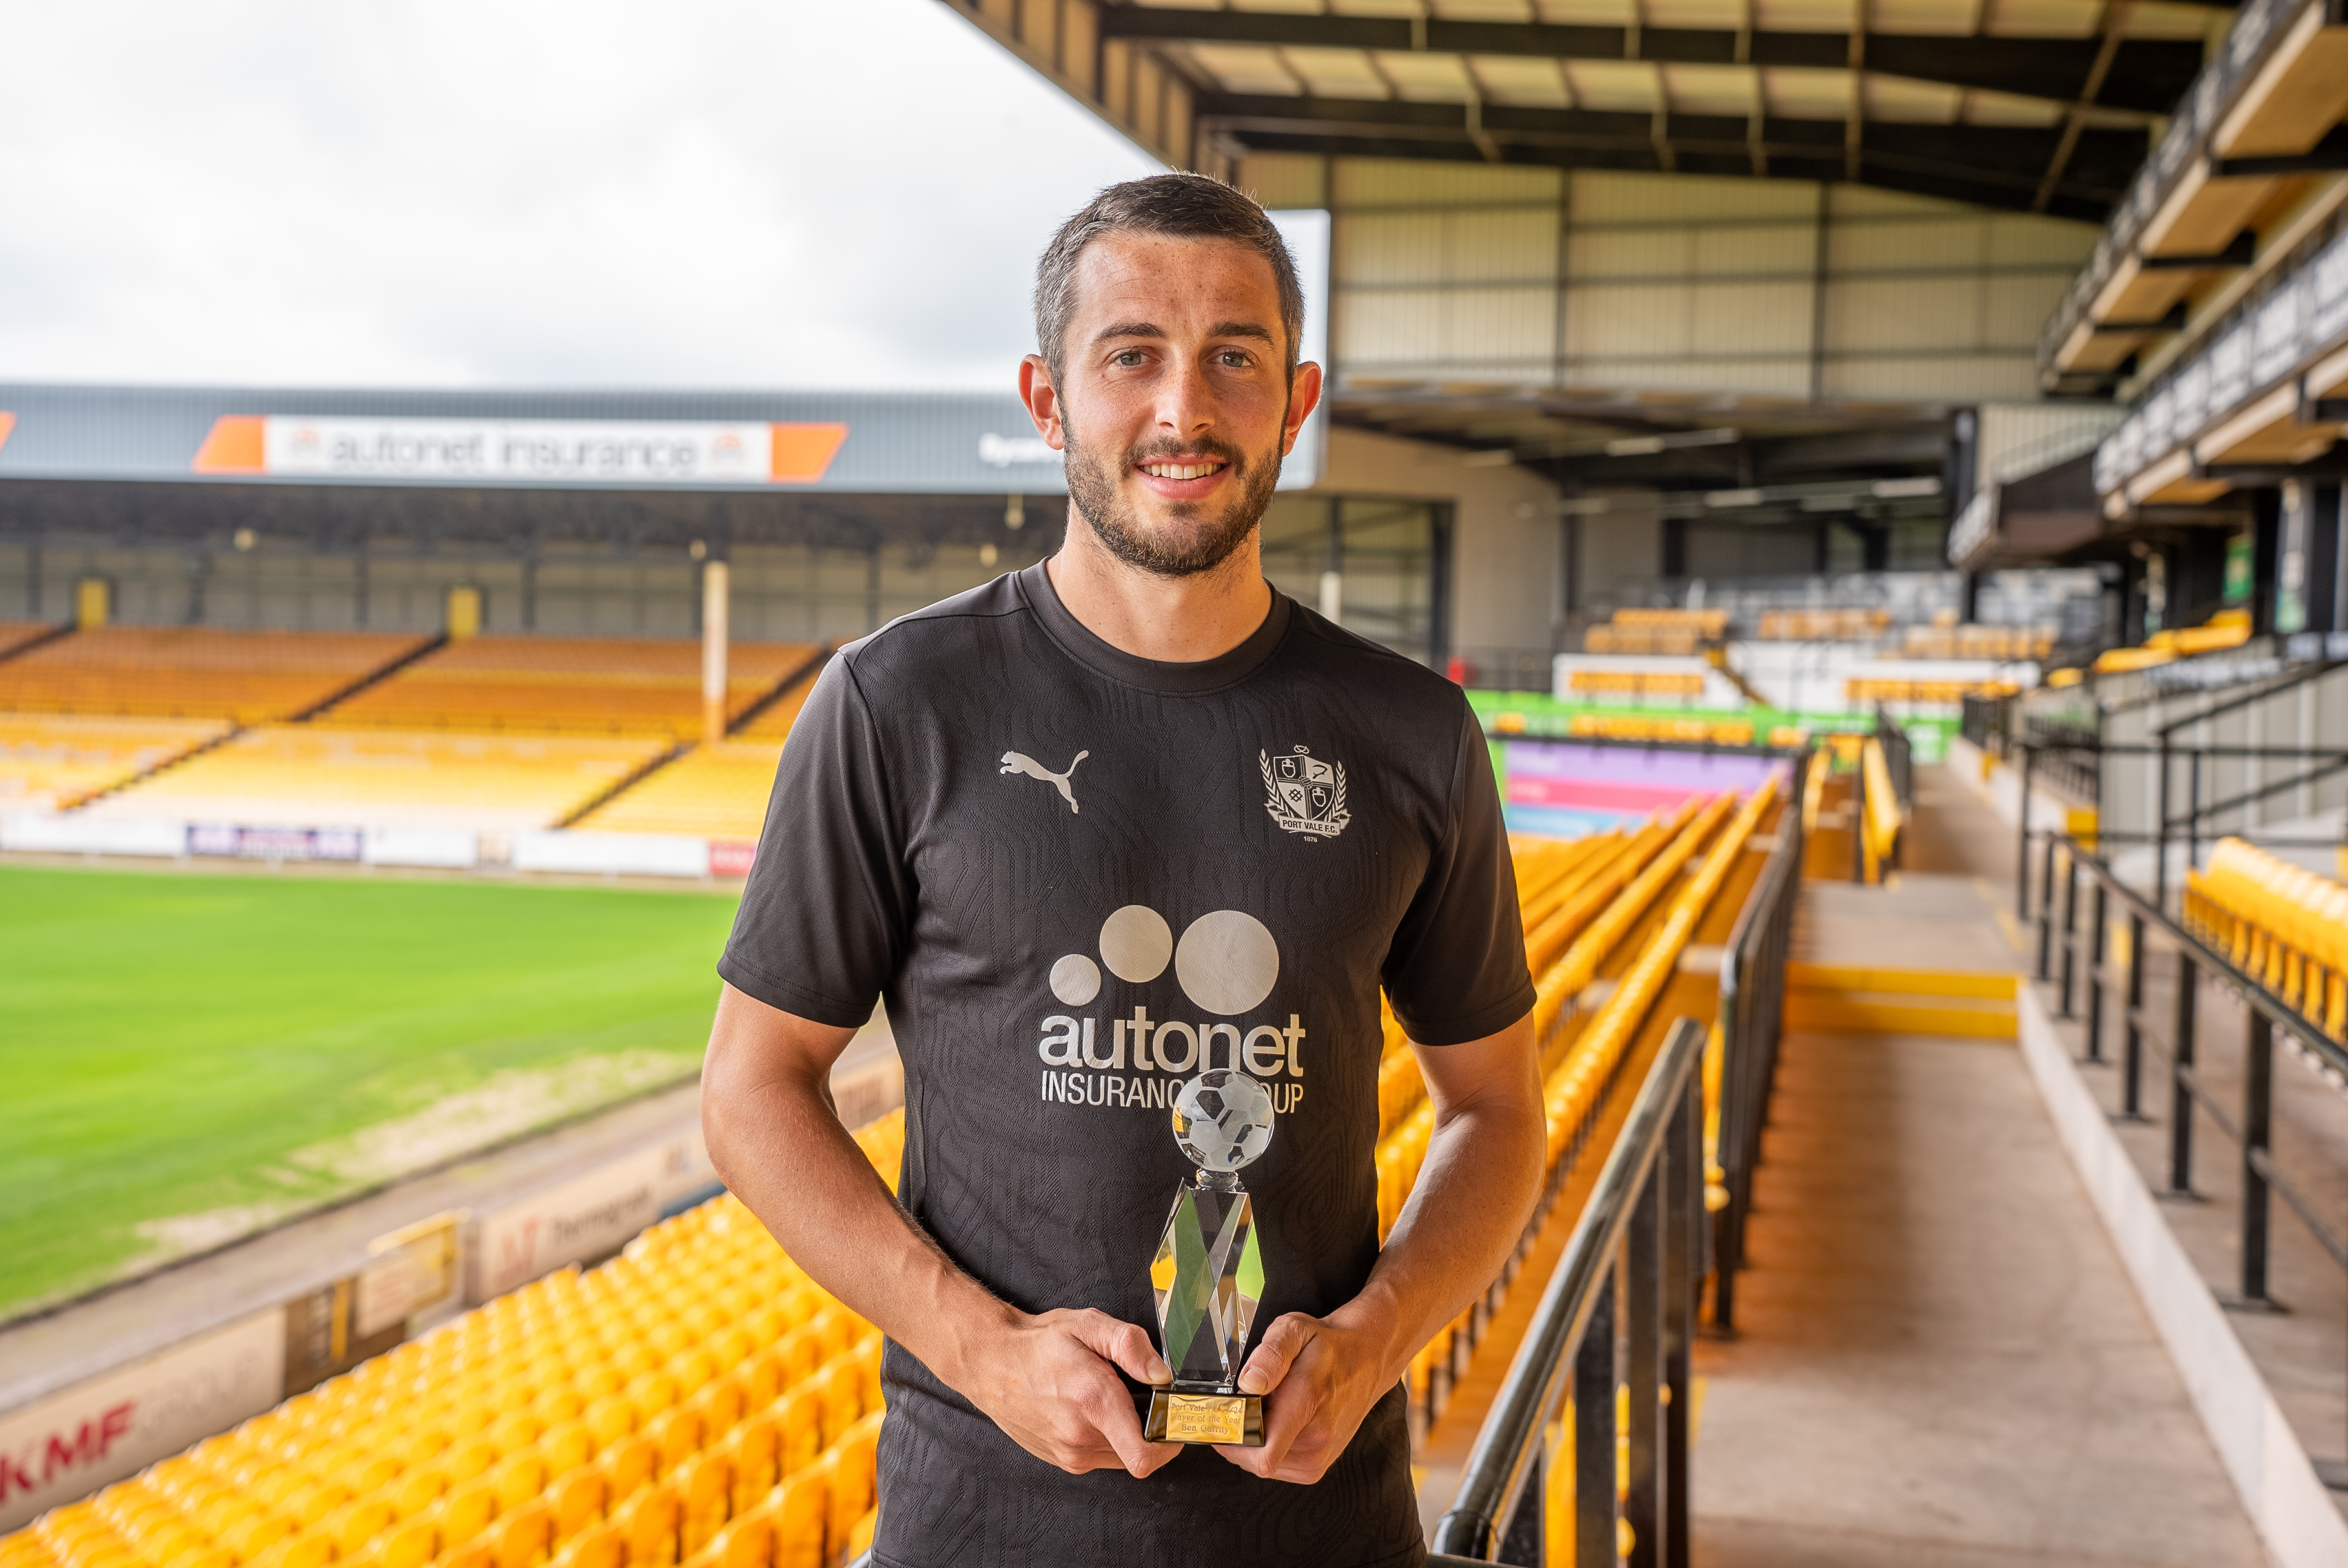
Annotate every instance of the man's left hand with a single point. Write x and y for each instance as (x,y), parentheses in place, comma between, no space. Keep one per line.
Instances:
(1320,1375)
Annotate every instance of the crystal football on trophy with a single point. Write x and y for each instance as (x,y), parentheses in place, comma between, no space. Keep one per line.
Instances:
(1208,1275)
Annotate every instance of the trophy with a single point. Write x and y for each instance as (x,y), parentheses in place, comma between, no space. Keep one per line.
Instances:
(1208,1275)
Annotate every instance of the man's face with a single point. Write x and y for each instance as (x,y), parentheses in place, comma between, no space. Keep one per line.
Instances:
(1173,402)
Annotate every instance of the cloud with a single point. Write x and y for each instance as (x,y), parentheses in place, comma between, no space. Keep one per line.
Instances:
(709,194)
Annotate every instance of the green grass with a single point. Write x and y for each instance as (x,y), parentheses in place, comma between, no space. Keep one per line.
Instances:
(184,1045)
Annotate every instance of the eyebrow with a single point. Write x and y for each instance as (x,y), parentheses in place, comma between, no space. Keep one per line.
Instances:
(1152,329)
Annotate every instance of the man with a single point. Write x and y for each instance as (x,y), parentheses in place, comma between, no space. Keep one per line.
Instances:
(1088,830)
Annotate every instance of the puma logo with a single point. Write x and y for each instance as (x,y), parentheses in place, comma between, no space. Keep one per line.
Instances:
(1021,763)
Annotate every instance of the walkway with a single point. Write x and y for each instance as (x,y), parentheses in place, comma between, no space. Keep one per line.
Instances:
(1939,1360)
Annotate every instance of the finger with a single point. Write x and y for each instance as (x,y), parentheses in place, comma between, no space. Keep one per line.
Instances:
(1110,1410)
(1123,1346)
(1283,1342)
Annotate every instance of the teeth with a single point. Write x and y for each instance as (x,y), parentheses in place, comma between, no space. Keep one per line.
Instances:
(1179,470)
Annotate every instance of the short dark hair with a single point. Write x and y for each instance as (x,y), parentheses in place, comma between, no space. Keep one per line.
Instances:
(1185,206)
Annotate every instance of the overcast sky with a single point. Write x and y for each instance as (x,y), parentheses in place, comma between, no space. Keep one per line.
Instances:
(716,193)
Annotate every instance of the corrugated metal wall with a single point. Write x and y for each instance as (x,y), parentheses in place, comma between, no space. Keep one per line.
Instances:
(1584,278)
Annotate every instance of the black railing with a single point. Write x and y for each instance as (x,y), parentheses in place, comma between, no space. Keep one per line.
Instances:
(1752,1008)
(1618,1313)
(1988,723)
(1897,758)
(2198,821)
(2074,959)
(2071,755)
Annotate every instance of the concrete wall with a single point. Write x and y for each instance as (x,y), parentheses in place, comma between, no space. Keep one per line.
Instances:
(1520,276)
(1505,566)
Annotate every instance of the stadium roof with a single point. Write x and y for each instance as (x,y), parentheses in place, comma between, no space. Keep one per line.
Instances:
(2035,104)
(866,442)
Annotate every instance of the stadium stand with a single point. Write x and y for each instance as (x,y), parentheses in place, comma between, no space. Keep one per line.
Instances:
(774,722)
(194,672)
(16,634)
(2282,922)
(1657,631)
(711,792)
(320,774)
(569,685)
(50,762)
(2227,628)
(1824,625)
(699,1400)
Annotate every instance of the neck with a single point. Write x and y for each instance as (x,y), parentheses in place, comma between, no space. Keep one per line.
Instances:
(1172,619)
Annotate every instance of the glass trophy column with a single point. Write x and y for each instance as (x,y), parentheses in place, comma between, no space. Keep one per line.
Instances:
(1208,1274)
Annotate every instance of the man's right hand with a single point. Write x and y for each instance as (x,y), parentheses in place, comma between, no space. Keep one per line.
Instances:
(1052,1383)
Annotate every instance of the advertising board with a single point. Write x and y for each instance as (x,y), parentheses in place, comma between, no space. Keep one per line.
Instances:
(586,1217)
(73,1442)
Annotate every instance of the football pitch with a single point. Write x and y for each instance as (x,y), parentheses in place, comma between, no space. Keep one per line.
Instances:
(185,1058)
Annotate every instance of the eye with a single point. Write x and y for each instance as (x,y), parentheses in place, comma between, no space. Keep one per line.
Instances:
(1238,359)
(1129,358)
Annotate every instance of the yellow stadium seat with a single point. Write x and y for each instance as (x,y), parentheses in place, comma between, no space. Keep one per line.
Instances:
(650,1521)
(840,1397)
(800,1421)
(677,1432)
(800,1507)
(523,1537)
(466,1510)
(598,1546)
(410,1543)
(850,1466)
(577,1501)
(706,1482)
(755,1450)
(565,1448)
(517,1479)
(355,1525)
(418,1490)
(748,1543)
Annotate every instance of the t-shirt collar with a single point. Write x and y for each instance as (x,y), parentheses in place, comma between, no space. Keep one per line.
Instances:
(1226,669)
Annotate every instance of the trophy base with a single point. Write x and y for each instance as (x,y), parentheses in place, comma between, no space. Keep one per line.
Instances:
(1176,1417)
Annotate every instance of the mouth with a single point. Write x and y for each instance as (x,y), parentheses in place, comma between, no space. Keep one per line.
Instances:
(1185,478)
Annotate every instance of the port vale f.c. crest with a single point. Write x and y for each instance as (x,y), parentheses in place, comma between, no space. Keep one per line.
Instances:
(1304,795)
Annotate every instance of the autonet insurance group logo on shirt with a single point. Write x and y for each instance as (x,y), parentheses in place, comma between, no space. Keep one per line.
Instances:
(1225,964)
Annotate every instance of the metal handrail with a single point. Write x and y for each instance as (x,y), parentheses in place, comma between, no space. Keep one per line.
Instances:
(2286,682)
(1752,1006)
(1487,1514)
(2268,1012)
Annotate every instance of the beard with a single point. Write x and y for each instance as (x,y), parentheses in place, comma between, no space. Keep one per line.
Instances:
(1195,541)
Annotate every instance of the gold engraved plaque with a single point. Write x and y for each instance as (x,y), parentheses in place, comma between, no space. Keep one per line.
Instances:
(1179,1417)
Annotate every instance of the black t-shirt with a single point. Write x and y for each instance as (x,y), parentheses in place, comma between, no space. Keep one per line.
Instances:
(1033,845)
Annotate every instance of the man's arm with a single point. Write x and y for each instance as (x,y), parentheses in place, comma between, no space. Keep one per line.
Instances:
(1482,1173)
(1049,1380)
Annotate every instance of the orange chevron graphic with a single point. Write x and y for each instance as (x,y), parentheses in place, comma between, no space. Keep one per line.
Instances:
(7,423)
(233,447)
(803,453)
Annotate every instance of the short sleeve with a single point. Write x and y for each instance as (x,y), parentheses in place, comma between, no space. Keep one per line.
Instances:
(824,915)
(1456,970)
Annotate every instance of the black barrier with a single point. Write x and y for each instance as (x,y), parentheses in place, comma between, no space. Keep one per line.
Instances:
(2069,953)
(1752,1009)
(1619,1313)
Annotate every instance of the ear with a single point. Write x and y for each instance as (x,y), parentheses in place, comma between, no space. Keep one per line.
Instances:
(1042,401)
(1304,397)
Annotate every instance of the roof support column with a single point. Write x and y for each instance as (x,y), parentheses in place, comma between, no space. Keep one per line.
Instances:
(717,602)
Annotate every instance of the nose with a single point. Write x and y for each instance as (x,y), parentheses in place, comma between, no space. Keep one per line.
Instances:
(1185,401)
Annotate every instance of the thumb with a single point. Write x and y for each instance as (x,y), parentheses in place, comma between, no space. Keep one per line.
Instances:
(1283,1342)
(1121,1344)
